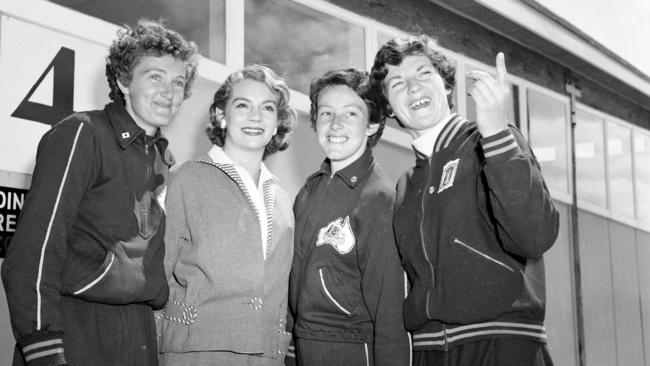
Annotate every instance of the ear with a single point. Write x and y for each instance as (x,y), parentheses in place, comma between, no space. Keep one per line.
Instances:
(372,129)
(389,112)
(124,89)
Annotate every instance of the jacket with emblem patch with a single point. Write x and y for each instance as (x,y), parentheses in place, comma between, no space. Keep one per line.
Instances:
(472,223)
(346,283)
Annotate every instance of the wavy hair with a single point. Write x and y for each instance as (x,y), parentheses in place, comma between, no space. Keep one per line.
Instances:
(286,115)
(147,38)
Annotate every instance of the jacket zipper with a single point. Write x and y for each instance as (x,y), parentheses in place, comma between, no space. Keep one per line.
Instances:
(483,255)
(424,248)
(329,295)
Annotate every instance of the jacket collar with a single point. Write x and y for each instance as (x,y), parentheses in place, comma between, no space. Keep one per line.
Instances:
(127,131)
(352,174)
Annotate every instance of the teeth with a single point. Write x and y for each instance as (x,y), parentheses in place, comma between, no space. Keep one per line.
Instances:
(252,130)
(419,102)
(338,139)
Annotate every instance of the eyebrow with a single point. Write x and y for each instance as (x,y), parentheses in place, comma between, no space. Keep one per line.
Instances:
(250,101)
(162,70)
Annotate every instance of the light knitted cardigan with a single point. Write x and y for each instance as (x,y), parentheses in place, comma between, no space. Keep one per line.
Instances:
(223,295)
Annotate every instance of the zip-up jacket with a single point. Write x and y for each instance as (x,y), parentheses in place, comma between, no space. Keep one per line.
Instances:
(91,227)
(346,283)
(472,222)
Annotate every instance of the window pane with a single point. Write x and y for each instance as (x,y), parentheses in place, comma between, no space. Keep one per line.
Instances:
(590,159)
(619,161)
(513,108)
(189,17)
(642,174)
(300,42)
(547,129)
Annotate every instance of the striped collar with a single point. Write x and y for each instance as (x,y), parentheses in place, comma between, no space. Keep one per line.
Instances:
(219,156)
(439,137)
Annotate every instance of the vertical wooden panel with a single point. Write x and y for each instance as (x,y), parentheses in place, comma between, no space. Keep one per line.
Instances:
(643,260)
(560,304)
(625,280)
(598,306)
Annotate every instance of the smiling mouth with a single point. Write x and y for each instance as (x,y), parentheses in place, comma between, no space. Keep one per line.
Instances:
(420,103)
(337,139)
(252,131)
(163,105)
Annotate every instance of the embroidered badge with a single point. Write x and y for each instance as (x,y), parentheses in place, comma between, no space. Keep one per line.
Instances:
(338,234)
(126,135)
(448,175)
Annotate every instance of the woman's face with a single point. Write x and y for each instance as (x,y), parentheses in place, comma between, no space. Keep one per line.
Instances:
(251,114)
(342,125)
(156,91)
(417,94)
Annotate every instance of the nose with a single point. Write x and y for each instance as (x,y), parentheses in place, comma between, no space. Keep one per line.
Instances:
(413,85)
(255,115)
(167,91)
(336,123)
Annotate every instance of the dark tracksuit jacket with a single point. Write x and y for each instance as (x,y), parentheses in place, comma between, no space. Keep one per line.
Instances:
(472,223)
(346,282)
(89,237)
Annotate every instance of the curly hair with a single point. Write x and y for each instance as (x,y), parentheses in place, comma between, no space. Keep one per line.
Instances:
(357,80)
(286,115)
(397,49)
(147,38)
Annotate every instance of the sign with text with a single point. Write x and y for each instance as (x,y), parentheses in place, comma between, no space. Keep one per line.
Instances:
(45,76)
(11,202)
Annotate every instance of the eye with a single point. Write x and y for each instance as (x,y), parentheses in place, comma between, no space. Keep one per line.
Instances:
(269,108)
(324,114)
(396,84)
(156,77)
(352,114)
(241,105)
(179,83)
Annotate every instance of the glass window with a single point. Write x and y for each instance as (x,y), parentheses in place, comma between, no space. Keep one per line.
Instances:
(300,42)
(513,111)
(189,17)
(590,159)
(619,163)
(547,130)
(642,175)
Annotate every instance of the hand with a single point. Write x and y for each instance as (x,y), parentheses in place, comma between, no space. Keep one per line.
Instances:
(492,98)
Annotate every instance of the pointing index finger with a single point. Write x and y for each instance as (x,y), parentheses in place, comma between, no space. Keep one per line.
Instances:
(501,69)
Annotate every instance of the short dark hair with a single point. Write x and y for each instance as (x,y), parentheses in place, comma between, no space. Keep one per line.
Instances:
(277,85)
(147,38)
(357,80)
(397,49)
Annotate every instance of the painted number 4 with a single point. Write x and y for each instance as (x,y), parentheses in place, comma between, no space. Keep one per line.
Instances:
(62,69)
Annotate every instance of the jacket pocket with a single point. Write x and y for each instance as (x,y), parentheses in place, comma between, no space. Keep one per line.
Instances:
(121,279)
(473,285)
(483,255)
(330,297)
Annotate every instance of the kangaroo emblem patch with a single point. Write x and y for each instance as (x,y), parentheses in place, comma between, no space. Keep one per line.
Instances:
(448,175)
(338,234)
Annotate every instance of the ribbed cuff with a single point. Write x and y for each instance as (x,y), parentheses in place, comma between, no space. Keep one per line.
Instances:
(43,348)
(498,144)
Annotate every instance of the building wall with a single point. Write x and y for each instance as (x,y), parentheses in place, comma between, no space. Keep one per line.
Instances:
(479,43)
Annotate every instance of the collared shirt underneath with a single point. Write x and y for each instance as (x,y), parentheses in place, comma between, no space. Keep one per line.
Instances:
(256,192)
(423,145)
